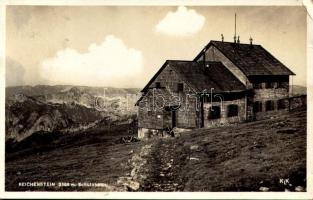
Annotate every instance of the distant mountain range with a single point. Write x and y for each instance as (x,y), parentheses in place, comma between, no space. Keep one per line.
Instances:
(67,108)
(39,90)
(64,108)
(299,90)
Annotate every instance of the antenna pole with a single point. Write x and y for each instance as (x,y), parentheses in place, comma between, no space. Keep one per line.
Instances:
(235,23)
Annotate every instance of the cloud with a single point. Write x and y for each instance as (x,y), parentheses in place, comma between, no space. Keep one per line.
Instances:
(14,72)
(183,22)
(111,63)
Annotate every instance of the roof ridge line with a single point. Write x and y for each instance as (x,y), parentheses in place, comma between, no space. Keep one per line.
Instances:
(234,43)
(180,60)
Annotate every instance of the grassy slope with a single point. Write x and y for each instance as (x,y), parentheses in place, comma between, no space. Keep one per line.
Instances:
(91,156)
(240,157)
(247,156)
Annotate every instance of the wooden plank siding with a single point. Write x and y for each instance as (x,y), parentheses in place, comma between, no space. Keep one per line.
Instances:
(151,116)
(213,54)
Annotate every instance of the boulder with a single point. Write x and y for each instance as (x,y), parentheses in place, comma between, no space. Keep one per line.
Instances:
(129,183)
(136,158)
(299,189)
(134,172)
(194,147)
(264,189)
(123,179)
(132,185)
(193,158)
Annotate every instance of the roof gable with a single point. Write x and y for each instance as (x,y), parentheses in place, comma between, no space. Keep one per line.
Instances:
(212,75)
(250,59)
(154,77)
(199,77)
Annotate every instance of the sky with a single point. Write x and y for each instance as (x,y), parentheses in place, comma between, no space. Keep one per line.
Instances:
(124,46)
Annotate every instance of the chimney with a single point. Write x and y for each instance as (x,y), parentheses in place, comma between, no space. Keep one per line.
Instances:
(251,40)
(222,37)
(238,39)
(204,56)
(207,69)
(235,28)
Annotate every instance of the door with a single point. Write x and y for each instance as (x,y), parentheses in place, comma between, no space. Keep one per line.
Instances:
(167,118)
(202,111)
(173,118)
(170,117)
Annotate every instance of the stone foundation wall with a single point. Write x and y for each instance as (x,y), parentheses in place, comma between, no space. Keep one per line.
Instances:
(298,101)
(145,133)
(224,119)
(270,94)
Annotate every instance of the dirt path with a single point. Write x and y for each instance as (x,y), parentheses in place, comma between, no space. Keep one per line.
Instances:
(163,168)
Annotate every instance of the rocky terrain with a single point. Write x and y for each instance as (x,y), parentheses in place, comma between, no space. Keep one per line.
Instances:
(31,109)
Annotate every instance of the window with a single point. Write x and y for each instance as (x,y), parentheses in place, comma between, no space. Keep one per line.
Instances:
(281,84)
(214,112)
(257,106)
(269,105)
(281,104)
(274,84)
(232,110)
(180,87)
(157,84)
(257,85)
(269,85)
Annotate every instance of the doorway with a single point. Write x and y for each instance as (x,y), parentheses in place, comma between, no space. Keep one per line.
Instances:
(170,117)
(173,118)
